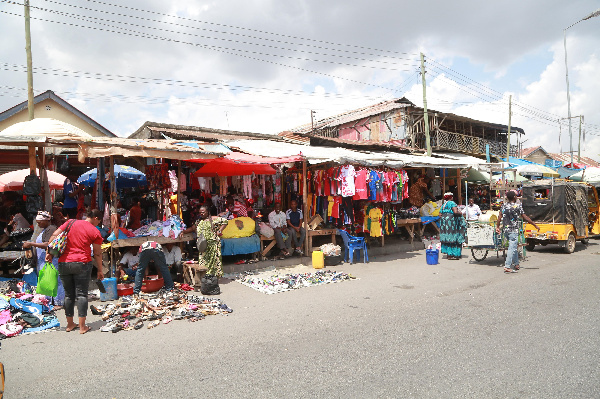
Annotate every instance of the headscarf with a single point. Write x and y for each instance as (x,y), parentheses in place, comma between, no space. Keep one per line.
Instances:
(448,196)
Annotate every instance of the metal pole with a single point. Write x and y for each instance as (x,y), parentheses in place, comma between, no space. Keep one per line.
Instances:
(425,116)
(29,62)
(508,134)
(579,145)
(568,99)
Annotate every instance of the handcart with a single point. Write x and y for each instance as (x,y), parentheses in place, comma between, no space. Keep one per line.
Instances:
(482,238)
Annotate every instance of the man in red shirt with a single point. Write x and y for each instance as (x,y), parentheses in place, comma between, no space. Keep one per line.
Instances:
(75,265)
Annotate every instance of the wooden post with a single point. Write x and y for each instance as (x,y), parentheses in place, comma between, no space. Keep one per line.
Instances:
(458,186)
(32,160)
(425,116)
(305,206)
(30,104)
(179,188)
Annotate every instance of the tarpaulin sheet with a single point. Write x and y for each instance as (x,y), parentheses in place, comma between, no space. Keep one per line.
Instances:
(562,202)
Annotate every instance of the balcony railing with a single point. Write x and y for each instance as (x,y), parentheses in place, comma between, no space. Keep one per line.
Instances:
(442,140)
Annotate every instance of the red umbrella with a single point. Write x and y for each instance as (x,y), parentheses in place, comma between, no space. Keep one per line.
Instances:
(13,181)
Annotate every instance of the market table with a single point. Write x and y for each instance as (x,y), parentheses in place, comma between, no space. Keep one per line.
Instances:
(322,232)
(409,225)
(137,241)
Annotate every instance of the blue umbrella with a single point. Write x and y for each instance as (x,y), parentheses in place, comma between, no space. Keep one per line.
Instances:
(127,177)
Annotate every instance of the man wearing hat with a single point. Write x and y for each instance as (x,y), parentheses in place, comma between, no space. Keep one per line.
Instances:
(44,221)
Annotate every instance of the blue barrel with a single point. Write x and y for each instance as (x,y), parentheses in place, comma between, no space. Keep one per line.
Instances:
(432,256)
(110,285)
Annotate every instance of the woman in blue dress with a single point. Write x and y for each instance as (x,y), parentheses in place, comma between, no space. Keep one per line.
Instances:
(44,220)
(452,228)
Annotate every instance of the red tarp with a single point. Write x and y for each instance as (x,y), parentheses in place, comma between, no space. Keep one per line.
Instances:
(239,164)
(226,167)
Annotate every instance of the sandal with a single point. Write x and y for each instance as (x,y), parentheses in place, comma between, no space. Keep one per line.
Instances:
(507,270)
(517,267)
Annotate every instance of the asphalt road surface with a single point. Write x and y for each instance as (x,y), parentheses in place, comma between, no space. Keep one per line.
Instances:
(459,329)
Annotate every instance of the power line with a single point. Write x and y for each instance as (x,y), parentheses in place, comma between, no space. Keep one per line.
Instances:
(214,48)
(168,82)
(232,33)
(252,30)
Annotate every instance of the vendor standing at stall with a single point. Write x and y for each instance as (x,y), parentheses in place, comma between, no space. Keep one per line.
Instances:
(211,229)
(44,221)
(135,215)
(417,192)
(294,220)
(71,191)
(452,228)
(472,211)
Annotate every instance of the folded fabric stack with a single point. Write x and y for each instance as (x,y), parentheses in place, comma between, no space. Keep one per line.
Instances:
(172,228)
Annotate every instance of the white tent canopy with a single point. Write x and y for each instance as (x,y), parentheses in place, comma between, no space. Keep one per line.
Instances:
(317,155)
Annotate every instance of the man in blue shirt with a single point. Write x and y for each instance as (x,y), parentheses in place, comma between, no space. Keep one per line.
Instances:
(294,219)
(71,190)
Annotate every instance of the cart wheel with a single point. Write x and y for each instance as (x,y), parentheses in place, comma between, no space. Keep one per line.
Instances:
(585,241)
(570,244)
(530,245)
(479,254)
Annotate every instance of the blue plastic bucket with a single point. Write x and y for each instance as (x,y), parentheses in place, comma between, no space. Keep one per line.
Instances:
(110,285)
(432,256)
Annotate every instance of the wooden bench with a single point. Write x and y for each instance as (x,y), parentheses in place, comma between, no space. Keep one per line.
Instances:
(266,244)
(192,273)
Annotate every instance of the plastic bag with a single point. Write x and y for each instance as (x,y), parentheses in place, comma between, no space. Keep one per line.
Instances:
(47,280)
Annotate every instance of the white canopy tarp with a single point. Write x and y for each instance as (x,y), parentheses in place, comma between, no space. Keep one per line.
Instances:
(316,155)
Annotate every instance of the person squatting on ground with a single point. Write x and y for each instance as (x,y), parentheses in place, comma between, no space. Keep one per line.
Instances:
(510,215)
(173,257)
(152,251)
(294,219)
(75,265)
(129,263)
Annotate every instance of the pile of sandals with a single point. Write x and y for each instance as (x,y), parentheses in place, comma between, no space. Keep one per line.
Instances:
(152,310)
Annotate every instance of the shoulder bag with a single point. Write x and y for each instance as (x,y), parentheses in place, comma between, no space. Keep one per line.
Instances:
(57,246)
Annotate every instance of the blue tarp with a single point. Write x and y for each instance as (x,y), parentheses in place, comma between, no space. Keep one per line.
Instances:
(240,246)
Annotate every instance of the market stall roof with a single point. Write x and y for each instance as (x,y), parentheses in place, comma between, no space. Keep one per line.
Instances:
(39,129)
(589,175)
(317,155)
(239,157)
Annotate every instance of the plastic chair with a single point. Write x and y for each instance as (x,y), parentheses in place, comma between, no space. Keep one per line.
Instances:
(351,243)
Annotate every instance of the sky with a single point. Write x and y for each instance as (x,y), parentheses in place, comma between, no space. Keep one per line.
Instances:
(262,66)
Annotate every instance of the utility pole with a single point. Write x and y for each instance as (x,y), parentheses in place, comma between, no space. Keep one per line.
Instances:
(579,146)
(425,116)
(29,62)
(312,122)
(508,134)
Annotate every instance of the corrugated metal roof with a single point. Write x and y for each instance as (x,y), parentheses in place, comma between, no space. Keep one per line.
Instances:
(525,152)
(158,130)
(565,157)
(354,115)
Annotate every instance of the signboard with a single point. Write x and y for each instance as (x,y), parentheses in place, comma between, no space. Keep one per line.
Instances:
(551,163)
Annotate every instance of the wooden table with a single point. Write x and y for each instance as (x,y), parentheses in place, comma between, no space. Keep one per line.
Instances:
(192,273)
(409,225)
(137,241)
(322,232)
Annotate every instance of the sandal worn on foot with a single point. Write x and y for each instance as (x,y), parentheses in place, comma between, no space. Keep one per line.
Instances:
(507,270)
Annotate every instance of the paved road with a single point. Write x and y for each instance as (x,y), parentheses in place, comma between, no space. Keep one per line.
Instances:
(404,329)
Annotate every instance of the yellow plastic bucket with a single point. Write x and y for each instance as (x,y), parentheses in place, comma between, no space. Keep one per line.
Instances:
(318,259)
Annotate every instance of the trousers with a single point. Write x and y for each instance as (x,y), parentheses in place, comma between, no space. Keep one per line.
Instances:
(158,256)
(512,255)
(75,277)
(297,238)
(281,242)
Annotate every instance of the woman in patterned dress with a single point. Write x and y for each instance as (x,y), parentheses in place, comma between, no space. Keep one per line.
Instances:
(452,228)
(211,230)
